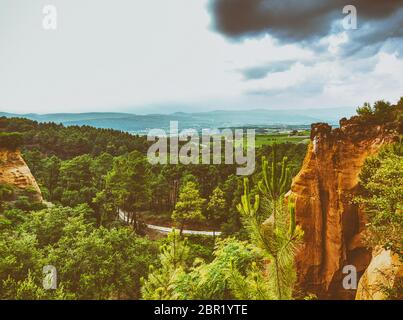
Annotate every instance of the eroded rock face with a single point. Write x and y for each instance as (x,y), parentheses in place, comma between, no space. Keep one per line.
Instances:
(14,171)
(323,190)
(381,276)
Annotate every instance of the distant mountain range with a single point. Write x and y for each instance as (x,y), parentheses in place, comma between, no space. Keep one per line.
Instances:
(212,119)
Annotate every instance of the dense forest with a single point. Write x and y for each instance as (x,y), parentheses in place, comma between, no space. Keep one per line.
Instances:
(75,165)
(87,175)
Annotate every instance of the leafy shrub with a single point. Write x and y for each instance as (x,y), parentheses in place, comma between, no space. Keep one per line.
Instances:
(382,198)
(12,140)
(381,112)
(6,192)
(28,204)
(92,263)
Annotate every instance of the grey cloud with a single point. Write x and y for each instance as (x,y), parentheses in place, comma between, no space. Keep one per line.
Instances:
(372,36)
(260,72)
(306,89)
(292,19)
(308,20)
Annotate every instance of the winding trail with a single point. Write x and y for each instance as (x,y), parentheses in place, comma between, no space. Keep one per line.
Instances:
(166,230)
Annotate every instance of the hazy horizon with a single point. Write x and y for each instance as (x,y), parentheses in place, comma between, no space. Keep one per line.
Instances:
(184,112)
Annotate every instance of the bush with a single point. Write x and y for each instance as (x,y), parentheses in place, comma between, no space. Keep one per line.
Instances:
(6,192)
(381,179)
(92,263)
(27,204)
(381,112)
(11,140)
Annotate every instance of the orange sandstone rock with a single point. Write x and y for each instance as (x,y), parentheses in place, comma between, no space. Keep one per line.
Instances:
(323,190)
(381,275)
(14,171)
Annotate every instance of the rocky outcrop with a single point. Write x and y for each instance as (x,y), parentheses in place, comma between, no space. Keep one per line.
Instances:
(323,190)
(381,276)
(14,171)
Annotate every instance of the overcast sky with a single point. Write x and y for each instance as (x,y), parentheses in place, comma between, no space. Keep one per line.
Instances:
(146,56)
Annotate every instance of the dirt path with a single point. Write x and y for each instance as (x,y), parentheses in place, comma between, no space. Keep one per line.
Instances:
(166,230)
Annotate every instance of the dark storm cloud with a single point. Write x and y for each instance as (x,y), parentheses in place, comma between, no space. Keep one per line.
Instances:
(297,20)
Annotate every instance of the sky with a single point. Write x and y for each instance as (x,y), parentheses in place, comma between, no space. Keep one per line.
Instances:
(160,56)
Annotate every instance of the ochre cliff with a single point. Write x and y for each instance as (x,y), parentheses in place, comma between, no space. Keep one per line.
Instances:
(323,190)
(383,274)
(14,171)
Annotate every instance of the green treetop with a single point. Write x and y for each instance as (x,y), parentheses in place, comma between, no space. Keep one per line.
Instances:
(189,206)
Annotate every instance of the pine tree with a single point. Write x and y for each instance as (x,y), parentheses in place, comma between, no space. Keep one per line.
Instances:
(161,282)
(273,229)
(129,186)
(216,207)
(189,206)
(275,182)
